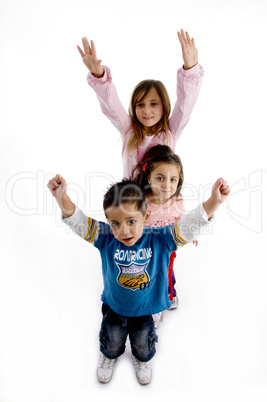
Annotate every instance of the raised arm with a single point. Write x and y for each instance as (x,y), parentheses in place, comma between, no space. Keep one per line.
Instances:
(58,188)
(189,79)
(100,80)
(190,226)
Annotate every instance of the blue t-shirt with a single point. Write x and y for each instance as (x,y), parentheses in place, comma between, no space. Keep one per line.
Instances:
(136,277)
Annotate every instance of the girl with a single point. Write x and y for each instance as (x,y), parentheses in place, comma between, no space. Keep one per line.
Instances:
(149,122)
(161,178)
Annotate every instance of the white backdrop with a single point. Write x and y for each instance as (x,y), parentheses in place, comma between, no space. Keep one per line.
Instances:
(214,345)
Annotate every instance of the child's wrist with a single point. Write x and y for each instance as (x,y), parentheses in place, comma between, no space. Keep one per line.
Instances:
(188,67)
(60,197)
(99,75)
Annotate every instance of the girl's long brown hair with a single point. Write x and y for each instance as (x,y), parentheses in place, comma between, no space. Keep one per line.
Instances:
(142,90)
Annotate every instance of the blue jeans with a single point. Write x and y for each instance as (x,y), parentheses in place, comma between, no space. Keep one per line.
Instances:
(115,329)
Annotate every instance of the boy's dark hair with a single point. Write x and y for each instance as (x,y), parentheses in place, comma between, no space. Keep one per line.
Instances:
(125,191)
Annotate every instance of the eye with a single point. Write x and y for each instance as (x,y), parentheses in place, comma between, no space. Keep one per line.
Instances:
(154,104)
(131,222)
(139,105)
(114,224)
(174,180)
(160,178)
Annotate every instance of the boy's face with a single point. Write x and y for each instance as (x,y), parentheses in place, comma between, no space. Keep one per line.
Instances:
(126,222)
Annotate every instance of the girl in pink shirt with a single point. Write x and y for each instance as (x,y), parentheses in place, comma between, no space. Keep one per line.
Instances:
(149,121)
(161,178)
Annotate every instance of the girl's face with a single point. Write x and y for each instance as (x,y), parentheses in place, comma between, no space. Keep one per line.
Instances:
(163,180)
(149,111)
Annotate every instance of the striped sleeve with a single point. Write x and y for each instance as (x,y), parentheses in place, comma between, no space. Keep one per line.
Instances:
(176,237)
(85,227)
(92,231)
(190,226)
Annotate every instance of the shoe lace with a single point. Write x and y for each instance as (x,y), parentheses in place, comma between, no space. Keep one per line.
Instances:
(143,365)
(140,365)
(107,363)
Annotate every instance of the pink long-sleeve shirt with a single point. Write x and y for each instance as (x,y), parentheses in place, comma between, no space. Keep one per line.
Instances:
(188,86)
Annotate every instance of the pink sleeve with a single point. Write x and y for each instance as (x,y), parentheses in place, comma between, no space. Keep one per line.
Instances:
(188,87)
(109,101)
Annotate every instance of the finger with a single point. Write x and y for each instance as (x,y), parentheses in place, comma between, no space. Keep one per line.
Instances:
(93,49)
(52,185)
(80,51)
(217,184)
(187,37)
(224,185)
(226,191)
(183,35)
(193,42)
(62,181)
(86,46)
(181,39)
(49,185)
(58,179)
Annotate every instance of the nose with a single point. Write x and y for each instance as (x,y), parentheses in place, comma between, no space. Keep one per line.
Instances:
(124,229)
(166,185)
(146,110)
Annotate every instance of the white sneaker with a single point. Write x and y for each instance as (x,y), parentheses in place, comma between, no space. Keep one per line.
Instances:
(143,371)
(174,304)
(157,318)
(105,368)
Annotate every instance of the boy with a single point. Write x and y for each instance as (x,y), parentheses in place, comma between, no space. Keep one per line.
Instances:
(134,261)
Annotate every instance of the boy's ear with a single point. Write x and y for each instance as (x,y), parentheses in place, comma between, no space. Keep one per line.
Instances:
(147,215)
(148,180)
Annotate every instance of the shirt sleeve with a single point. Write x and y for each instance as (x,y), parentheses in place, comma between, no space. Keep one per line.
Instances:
(109,101)
(85,227)
(190,226)
(188,87)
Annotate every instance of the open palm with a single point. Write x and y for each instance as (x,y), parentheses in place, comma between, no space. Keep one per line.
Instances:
(190,52)
(89,58)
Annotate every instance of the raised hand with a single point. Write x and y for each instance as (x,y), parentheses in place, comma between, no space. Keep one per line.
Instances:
(220,190)
(89,58)
(57,186)
(189,50)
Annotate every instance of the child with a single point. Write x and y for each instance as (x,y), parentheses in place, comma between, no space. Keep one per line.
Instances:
(133,266)
(148,123)
(161,178)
